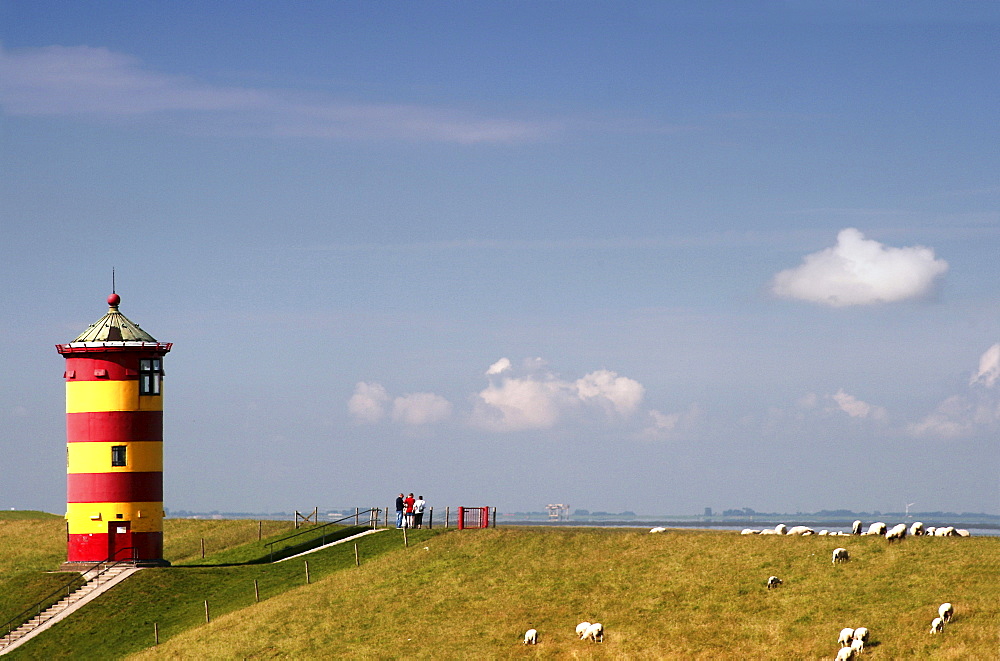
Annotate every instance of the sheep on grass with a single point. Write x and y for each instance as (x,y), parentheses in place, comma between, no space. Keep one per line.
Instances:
(531,637)
(594,632)
(897,534)
(845,654)
(840,555)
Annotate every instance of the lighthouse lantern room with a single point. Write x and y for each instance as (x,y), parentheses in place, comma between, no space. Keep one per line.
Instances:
(114,449)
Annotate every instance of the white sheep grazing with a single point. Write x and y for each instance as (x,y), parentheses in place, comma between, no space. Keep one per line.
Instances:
(769,531)
(582,629)
(658,529)
(749,531)
(823,532)
(877,528)
(781,529)
(594,632)
(845,653)
(531,637)
(897,534)
(946,611)
(917,529)
(856,528)
(929,531)
(861,633)
(846,636)
(937,625)
(858,645)
(773,582)
(840,555)
(946,531)
(962,532)
(801,530)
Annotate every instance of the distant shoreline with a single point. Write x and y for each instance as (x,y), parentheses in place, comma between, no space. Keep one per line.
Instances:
(728,525)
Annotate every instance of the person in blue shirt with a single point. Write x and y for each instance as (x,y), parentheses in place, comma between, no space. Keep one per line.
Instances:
(399,511)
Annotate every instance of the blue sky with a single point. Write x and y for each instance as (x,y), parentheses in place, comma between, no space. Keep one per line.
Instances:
(633,256)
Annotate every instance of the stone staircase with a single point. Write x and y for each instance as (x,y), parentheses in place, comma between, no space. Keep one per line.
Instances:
(98,580)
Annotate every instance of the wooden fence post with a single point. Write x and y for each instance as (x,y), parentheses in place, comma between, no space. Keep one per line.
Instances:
(256,592)
(405,543)
(307,572)
(156,634)
(430,517)
(208,618)
(357,558)
(260,530)
(203,548)
(447,515)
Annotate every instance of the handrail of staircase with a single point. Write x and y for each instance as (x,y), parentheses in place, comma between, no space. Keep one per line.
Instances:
(372,522)
(13,623)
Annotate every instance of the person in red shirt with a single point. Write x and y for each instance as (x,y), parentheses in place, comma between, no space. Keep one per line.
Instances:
(408,505)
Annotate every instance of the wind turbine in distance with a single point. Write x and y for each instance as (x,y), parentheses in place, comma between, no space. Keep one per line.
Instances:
(908,506)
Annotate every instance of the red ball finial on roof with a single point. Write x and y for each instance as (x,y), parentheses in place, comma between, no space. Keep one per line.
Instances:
(114,299)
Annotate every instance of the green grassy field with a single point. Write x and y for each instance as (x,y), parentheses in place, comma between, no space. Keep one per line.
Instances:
(472,594)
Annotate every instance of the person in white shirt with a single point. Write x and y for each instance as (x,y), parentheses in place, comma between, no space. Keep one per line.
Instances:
(418,512)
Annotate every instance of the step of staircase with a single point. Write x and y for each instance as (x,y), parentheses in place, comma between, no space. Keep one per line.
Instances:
(89,590)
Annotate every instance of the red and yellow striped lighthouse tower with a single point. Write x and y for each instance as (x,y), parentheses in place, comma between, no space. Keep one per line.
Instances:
(114,449)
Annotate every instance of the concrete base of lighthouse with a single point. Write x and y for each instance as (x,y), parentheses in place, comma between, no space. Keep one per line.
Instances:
(84,567)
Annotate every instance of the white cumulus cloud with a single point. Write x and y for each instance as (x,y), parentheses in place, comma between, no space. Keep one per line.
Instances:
(499,367)
(856,408)
(541,400)
(860,271)
(989,367)
(524,403)
(666,425)
(368,402)
(622,393)
(420,408)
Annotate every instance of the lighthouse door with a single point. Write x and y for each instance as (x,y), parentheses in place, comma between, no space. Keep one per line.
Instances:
(120,540)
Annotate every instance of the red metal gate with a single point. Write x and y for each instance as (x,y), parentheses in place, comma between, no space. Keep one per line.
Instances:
(473,517)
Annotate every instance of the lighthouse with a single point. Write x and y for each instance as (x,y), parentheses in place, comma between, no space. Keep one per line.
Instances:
(114,442)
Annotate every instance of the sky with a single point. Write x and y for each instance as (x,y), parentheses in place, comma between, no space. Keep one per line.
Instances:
(631,256)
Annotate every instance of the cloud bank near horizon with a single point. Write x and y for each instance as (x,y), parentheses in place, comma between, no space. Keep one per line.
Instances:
(524,398)
(860,271)
(532,397)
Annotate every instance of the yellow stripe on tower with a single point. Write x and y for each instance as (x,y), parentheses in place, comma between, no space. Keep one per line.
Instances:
(140,456)
(144,517)
(95,396)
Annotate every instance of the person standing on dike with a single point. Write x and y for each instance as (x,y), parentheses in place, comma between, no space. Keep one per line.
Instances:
(409,510)
(399,511)
(418,511)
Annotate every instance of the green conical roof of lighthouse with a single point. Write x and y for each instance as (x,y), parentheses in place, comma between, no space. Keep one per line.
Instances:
(114,327)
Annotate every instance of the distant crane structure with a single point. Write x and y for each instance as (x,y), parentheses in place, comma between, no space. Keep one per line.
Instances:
(558,512)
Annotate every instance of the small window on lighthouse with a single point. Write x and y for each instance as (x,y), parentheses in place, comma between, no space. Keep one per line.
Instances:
(150,373)
(118,455)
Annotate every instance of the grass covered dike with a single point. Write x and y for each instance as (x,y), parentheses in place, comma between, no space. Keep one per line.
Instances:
(472,594)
